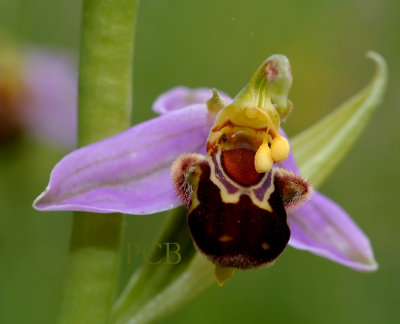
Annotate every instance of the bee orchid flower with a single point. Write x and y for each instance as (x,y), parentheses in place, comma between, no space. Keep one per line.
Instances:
(230,163)
(38,93)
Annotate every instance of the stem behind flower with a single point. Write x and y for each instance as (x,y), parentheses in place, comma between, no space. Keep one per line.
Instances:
(151,279)
(105,100)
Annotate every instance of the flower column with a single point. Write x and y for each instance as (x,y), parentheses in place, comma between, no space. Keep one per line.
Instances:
(105,100)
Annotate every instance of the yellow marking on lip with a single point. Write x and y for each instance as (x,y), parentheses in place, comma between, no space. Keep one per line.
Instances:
(265,246)
(225,238)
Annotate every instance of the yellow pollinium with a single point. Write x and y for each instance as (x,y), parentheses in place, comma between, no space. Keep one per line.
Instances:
(266,156)
(263,160)
(280,148)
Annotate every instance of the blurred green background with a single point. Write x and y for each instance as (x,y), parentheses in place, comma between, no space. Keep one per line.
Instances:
(219,43)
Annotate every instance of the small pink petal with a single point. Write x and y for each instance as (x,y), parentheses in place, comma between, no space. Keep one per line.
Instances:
(50,113)
(180,97)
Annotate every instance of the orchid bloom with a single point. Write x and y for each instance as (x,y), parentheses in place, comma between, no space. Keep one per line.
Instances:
(239,181)
(38,93)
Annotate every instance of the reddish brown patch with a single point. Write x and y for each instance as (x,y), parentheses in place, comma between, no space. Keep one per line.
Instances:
(219,127)
(238,163)
(212,146)
(271,70)
(229,123)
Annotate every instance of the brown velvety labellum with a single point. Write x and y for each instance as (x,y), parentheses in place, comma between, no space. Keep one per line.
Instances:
(238,163)
(239,235)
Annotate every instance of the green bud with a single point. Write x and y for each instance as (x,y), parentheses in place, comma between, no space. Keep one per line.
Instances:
(279,76)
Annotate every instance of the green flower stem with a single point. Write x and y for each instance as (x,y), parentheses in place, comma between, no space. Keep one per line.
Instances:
(159,270)
(105,74)
(93,268)
(198,277)
(105,101)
